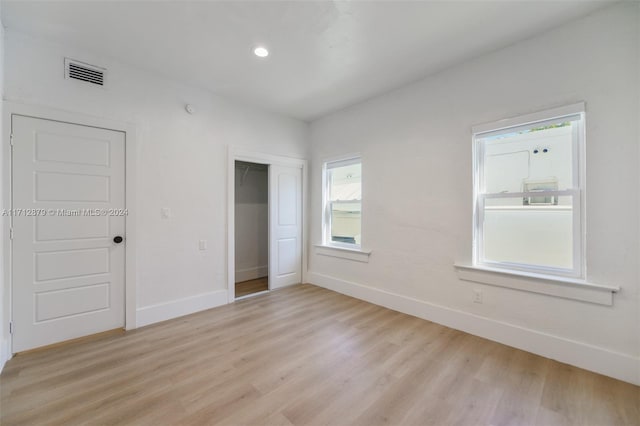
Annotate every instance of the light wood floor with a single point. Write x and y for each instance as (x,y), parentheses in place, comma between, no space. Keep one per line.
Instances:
(252,286)
(304,356)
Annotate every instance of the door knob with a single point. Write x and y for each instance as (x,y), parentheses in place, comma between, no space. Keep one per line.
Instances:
(117,239)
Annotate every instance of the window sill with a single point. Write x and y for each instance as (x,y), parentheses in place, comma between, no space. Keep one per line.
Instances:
(566,288)
(358,255)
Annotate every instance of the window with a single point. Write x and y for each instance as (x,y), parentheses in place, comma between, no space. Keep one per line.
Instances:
(343,203)
(528,193)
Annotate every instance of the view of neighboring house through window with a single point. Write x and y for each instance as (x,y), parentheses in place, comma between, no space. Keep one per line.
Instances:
(528,195)
(343,202)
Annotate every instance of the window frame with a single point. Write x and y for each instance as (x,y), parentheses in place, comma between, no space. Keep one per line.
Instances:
(327,165)
(576,192)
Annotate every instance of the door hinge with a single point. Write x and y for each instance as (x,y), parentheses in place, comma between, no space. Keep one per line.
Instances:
(11,139)
(11,233)
(10,328)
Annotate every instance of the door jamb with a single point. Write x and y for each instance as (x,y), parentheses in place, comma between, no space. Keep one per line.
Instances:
(239,154)
(129,129)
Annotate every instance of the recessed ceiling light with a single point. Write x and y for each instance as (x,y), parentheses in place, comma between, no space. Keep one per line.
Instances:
(261,52)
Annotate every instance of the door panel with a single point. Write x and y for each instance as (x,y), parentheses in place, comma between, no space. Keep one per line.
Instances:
(53,265)
(285,192)
(58,304)
(287,256)
(64,148)
(71,227)
(287,201)
(67,273)
(71,187)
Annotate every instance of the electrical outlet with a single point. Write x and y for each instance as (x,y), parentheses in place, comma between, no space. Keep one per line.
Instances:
(202,244)
(477,296)
(165,212)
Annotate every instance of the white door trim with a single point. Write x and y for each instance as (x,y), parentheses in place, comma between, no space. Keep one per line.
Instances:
(234,154)
(47,113)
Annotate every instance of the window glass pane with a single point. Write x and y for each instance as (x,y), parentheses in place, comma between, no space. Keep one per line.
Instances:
(540,235)
(345,201)
(345,222)
(530,159)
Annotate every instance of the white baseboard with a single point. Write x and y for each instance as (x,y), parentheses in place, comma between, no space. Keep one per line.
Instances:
(251,273)
(600,360)
(177,308)
(5,354)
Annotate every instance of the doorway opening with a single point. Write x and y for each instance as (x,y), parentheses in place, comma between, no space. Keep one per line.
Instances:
(265,200)
(251,214)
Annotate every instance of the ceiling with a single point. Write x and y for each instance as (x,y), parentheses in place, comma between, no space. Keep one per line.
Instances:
(324,55)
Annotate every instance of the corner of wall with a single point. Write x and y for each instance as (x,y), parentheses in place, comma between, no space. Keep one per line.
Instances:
(4,344)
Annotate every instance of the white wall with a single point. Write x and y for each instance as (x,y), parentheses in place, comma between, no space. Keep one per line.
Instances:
(182,162)
(417,190)
(251,222)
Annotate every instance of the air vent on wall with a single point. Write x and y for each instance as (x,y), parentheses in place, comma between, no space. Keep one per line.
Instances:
(81,71)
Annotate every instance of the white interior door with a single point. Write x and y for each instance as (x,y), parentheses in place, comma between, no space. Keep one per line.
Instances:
(285,217)
(68,201)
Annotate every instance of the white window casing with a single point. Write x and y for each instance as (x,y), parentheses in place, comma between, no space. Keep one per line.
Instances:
(352,197)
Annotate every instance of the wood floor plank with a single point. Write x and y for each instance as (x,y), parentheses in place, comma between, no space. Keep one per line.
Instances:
(304,355)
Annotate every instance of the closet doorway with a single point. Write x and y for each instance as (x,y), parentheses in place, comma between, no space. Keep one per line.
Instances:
(265,242)
(251,228)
